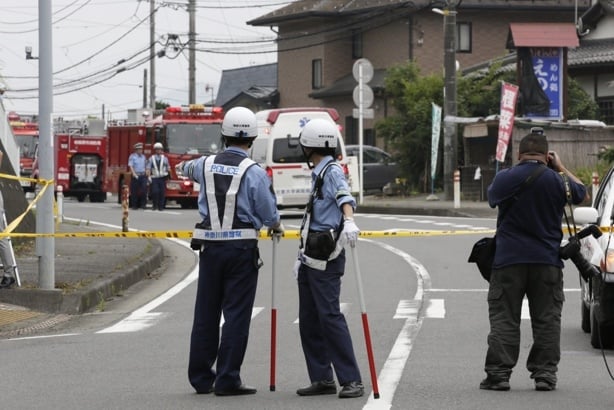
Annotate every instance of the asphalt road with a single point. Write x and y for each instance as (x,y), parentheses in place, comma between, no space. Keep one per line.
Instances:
(426,308)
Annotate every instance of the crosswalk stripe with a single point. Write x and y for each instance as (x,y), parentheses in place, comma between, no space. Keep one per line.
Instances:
(435,309)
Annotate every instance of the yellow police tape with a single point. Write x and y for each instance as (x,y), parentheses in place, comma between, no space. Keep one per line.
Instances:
(15,222)
(290,234)
(263,234)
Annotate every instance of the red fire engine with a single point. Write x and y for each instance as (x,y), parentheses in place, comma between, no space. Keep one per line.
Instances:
(80,166)
(186,132)
(26,136)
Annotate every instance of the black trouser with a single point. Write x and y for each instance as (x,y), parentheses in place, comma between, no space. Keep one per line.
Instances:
(325,336)
(543,286)
(138,191)
(158,192)
(228,275)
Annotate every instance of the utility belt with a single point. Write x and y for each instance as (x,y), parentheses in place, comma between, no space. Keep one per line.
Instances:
(203,234)
(320,247)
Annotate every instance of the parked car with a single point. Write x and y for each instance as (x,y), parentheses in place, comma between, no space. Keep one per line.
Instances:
(379,168)
(597,287)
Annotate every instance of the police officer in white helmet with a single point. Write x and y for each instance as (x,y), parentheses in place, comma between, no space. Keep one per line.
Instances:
(235,200)
(327,226)
(158,172)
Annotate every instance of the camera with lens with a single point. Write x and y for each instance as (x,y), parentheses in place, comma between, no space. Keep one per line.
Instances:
(571,250)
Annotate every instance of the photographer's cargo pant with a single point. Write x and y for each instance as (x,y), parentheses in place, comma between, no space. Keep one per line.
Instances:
(543,286)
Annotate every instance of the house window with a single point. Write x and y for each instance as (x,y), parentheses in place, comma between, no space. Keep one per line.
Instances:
(316,74)
(356,45)
(463,37)
(606,109)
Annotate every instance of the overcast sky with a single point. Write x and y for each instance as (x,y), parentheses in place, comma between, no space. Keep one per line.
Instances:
(90,37)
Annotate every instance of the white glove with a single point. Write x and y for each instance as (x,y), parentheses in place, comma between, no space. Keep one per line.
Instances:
(279,230)
(350,232)
(179,168)
(297,265)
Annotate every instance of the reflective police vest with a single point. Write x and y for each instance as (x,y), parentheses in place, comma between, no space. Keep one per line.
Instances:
(222,182)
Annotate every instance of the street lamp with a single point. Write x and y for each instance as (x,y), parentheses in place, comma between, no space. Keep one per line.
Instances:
(450,144)
(210,88)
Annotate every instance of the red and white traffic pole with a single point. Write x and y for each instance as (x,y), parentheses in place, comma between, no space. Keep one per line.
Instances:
(457,189)
(273,316)
(60,202)
(125,198)
(365,324)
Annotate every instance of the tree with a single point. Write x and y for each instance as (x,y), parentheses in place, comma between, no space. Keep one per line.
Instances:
(409,130)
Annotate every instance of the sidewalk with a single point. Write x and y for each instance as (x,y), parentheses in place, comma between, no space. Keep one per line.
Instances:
(421,205)
(89,271)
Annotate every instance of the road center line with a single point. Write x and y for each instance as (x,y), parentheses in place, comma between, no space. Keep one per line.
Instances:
(391,373)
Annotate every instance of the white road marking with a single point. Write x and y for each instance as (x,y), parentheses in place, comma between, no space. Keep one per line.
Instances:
(393,368)
(435,309)
(143,318)
(524,313)
(43,337)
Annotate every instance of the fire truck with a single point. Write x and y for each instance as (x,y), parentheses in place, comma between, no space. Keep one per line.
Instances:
(26,136)
(186,132)
(80,165)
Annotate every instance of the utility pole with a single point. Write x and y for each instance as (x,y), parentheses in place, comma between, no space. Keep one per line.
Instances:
(145,89)
(152,56)
(192,48)
(45,247)
(450,143)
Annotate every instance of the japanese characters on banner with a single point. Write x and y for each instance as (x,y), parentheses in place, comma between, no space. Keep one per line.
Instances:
(436,130)
(509,95)
(548,69)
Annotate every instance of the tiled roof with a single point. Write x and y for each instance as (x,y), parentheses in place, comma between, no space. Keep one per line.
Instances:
(340,8)
(542,35)
(592,52)
(235,81)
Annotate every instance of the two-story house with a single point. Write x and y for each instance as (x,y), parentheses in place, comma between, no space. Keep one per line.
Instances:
(319,41)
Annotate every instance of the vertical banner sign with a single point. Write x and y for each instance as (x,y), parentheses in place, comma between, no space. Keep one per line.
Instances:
(436,118)
(509,94)
(548,69)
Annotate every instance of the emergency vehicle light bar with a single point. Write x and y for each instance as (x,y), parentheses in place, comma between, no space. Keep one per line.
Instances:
(274,114)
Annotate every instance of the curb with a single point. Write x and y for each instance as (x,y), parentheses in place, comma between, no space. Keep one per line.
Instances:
(56,302)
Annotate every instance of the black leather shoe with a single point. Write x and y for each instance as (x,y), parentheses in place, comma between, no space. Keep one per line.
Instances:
(7,282)
(352,389)
(237,391)
(317,388)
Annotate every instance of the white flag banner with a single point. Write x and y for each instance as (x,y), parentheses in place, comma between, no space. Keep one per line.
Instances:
(436,118)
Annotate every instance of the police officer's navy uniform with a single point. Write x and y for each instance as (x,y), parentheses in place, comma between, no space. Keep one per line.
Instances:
(235,201)
(158,167)
(138,185)
(325,336)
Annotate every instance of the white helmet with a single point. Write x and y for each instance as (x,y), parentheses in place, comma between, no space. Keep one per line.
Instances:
(158,145)
(240,122)
(319,133)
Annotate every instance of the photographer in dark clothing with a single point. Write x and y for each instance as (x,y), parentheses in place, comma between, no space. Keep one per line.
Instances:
(527,263)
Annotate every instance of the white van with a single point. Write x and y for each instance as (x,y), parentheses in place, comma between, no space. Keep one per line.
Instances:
(277,150)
